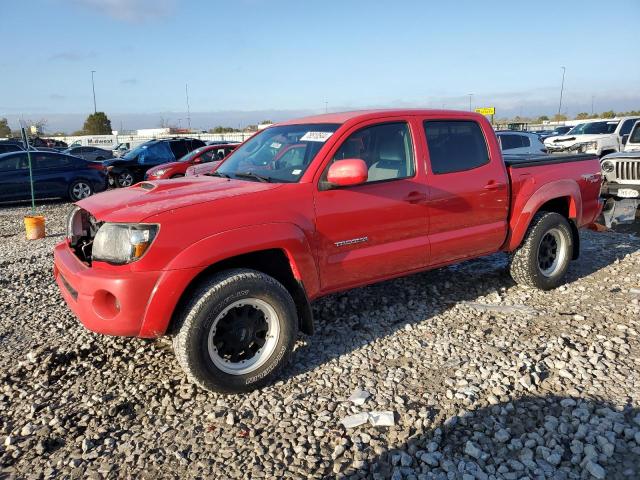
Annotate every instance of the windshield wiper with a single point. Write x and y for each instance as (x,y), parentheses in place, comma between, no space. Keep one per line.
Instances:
(261,178)
(217,174)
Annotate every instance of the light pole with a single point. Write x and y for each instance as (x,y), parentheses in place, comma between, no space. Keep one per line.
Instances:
(561,89)
(326,107)
(592,97)
(186,91)
(93,86)
(470,97)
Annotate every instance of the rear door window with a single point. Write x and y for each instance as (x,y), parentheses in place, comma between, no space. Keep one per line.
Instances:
(455,146)
(48,160)
(180,148)
(155,154)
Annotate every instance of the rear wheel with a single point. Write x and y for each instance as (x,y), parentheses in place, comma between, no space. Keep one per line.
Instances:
(80,189)
(236,332)
(543,258)
(124,179)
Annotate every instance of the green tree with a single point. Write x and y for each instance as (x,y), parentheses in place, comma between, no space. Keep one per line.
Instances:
(97,124)
(266,122)
(5,130)
(609,114)
(543,118)
(582,116)
(221,129)
(558,117)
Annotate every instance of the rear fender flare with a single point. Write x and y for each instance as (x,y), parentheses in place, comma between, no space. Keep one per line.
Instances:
(520,220)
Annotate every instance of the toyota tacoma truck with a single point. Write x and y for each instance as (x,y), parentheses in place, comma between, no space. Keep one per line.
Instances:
(227,264)
(594,137)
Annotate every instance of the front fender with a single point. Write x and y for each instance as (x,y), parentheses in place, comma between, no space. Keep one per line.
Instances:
(529,200)
(283,236)
(192,261)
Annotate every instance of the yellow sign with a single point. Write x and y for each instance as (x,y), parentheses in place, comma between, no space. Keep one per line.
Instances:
(486,110)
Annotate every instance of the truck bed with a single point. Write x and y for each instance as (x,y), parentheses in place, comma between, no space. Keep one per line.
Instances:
(534,160)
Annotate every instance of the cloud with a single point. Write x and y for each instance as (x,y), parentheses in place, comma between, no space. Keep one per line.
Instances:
(130,10)
(129,81)
(72,56)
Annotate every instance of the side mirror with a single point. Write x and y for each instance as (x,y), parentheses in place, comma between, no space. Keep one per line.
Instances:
(625,139)
(348,172)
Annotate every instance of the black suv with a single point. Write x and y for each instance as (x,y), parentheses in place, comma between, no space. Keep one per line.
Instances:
(131,167)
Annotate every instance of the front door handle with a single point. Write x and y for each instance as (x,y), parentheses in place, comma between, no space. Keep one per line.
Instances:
(494,186)
(416,197)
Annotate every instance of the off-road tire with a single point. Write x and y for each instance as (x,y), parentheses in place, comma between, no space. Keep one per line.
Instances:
(193,323)
(524,264)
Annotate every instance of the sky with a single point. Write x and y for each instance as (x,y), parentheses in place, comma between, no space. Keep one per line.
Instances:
(250,60)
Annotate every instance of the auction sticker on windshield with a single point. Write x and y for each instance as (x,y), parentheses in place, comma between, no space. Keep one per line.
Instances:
(316,136)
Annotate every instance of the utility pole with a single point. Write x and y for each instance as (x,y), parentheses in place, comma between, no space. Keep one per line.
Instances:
(93,86)
(564,70)
(470,97)
(592,96)
(186,91)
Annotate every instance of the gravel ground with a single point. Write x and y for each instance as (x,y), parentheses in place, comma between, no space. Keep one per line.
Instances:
(485,379)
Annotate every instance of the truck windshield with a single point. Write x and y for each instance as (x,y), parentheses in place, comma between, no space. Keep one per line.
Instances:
(594,128)
(635,134)
(277,154)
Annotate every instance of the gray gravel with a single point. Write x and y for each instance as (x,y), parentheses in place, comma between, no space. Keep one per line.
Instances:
(547,389)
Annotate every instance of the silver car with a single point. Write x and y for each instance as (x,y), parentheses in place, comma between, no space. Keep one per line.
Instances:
(89,153)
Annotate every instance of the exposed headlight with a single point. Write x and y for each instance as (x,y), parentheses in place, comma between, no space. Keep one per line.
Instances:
(607,166)
(121,243)
(158,173)
(585,147)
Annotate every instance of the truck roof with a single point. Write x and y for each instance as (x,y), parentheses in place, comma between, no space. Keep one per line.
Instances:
(343,117)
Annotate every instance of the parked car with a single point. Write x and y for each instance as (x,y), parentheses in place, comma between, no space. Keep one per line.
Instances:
(513,142)
(221,142)
(132,166)
(89,153)
(229,263)
(600,137)
(202,155)
(54,175)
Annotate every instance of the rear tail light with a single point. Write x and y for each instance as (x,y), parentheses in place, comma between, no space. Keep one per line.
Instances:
(98,166)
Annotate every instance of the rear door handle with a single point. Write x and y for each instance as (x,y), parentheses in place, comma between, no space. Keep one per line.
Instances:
(494,186)
(415,197)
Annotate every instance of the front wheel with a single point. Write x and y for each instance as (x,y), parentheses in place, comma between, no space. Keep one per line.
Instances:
(236,332)
(543,258)
(124,179)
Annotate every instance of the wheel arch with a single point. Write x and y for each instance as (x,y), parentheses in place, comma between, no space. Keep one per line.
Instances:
(562,197)
(282,252)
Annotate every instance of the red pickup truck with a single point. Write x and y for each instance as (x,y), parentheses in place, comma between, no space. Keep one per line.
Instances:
(228,264)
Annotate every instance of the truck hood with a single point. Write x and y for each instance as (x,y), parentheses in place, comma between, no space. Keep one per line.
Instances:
(570,140)
(140,201)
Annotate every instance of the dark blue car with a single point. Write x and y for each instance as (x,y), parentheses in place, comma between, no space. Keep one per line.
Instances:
(54,175)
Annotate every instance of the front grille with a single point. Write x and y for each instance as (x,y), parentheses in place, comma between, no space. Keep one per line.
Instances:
(628,170)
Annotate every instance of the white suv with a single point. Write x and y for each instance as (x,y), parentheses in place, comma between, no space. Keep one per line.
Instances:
(600,137)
